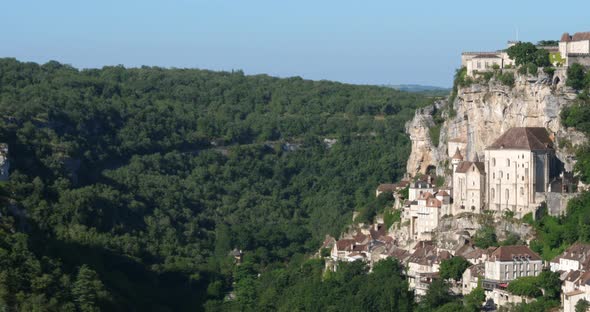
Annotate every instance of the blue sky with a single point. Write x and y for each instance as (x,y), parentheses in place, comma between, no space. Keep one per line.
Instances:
(364,42)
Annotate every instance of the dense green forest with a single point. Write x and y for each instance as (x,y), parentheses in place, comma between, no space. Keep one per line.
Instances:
(129,187)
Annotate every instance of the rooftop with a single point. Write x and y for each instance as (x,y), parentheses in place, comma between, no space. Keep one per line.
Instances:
(510,253)
(524,138)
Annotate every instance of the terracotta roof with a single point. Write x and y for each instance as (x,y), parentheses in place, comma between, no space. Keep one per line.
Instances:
(345,244)
(379,232)
(433,202)
(474,254)
(477,269)
(386,187)
(508,253)
(572,275)
(584,279)
(360,238)
(442,193)
(524,138)
(464,166)
(581,36)
(399,254)
(565,37)
(425,195)
(359,248)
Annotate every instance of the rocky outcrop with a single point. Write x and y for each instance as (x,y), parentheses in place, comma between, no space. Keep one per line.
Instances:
(424,153)
(483,112)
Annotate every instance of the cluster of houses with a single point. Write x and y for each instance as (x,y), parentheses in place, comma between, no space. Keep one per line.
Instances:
(493,268)
(513,174)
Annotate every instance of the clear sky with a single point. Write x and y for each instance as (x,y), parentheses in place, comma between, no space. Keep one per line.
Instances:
(365,42)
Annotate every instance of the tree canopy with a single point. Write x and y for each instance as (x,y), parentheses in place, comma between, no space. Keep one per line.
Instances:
(130,186)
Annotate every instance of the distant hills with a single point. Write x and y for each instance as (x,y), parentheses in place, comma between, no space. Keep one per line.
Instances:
(426,90)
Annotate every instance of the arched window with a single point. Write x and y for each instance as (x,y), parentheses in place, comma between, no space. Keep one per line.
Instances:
(507,194)
(494,162)
(507,162)
(508,176)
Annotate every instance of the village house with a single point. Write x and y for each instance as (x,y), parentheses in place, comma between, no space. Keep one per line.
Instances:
(470,278)
(425,212)
(519,166)
(420,186)
(423,266)
(476,62)
(391,187)
(505,264)
(468,184)
(573,265)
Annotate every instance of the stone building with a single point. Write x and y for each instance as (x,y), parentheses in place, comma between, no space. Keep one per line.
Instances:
(505,264)
(468,185)
(508,263)
(519,166)
(575,49)
(424,213)
(485,61)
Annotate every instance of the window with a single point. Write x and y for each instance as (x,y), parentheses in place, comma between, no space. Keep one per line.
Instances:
(522,178)
(507,194)
(494,162)
(508,176)
(507,162)
(478,65)
(521,190)
(493,175)
(493,193)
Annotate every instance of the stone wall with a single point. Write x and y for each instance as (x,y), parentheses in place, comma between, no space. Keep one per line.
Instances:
(581,58)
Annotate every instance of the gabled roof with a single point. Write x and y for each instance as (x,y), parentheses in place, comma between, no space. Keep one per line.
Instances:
(509,253)
(579,36)
(345,244)
(464,166)
(523,138)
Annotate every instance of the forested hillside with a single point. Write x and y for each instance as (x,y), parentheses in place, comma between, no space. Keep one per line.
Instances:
(129,187)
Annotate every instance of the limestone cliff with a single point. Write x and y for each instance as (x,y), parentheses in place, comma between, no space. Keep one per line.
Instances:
(481,112)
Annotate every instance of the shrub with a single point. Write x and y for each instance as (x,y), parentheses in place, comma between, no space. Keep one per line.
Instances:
(575,76)
(549,71)
(434,134)
(532,69)
(507,79)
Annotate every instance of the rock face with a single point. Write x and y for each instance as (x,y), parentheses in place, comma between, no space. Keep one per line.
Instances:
(482,113)
(424,153)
